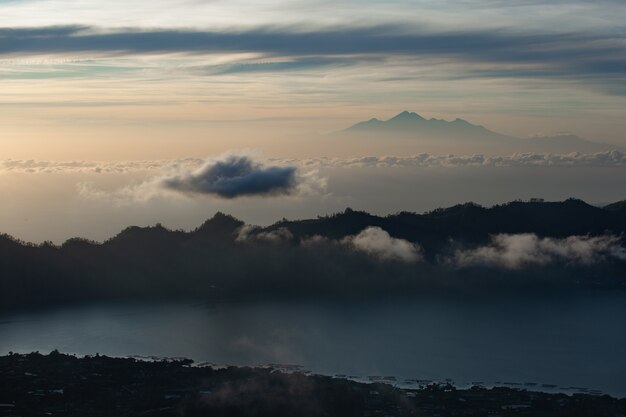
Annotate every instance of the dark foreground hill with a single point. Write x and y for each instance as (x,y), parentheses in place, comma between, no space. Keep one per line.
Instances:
(58,384)
(520,244)
(470,222)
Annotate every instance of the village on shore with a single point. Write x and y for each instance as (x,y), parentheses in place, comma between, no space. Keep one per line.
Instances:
(58,384)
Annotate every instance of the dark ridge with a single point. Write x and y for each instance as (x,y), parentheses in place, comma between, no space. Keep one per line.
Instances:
(462,221)
(335,226)
(619,206)
(8,241)
(473,223)
(210,263)
(219,226)
(78,242)
(133,232)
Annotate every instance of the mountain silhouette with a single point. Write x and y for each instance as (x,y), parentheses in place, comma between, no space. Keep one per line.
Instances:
(619,206)
(412,123)
(220,226)
(463,136)
(470,222)
(214,262)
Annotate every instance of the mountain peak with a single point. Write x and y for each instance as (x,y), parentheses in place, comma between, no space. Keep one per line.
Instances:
(220,225)
(459,132)
(406,116)
(412,123)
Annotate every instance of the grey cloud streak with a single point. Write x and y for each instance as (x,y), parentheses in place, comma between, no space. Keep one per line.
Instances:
(399,39)
(589,57)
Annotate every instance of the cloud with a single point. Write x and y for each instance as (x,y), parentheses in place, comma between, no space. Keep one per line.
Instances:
(378,243)
(246,232)
(228,176)
(281,234)
(34,166)
(593,58)
(313,241)
(234,176)
(133,193)
(293,64)
(614,158)
(380,39)
(309,178)
(515,251)
(250,233)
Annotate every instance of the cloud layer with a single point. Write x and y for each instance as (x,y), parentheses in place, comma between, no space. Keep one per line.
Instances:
(521,250)
(575,159)
(34,166)
(234,176)
(614,158)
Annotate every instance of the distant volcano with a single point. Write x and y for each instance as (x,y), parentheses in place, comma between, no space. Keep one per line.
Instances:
(462,134)
(413,122)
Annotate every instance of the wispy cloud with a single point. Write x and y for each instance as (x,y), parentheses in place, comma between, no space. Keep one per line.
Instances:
(378,243)
(277,65)
(400,39)
(515,251)
(229,176)
(589,57)
(373,241)
(251,233)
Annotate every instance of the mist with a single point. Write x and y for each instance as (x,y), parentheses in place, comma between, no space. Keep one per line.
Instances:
(98,201)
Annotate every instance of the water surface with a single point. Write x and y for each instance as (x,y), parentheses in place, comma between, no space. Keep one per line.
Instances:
(570,341)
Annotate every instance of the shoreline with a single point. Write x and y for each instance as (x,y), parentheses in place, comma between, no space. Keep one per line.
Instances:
(64,384)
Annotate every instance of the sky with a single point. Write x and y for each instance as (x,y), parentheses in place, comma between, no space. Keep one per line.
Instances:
(115,113)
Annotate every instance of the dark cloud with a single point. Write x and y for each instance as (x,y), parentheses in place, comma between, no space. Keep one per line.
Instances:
(234,176)
(496,44)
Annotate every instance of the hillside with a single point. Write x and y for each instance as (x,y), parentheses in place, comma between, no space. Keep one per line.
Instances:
(538,244)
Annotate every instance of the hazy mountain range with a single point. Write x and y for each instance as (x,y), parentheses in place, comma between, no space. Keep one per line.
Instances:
(462,136)
(520,244)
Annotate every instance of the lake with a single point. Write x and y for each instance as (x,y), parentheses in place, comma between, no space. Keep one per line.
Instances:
(572,341)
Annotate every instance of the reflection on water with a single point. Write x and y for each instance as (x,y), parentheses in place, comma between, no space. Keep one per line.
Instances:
(533,342)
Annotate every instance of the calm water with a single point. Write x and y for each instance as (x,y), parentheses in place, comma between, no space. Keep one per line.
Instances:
(573,341)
